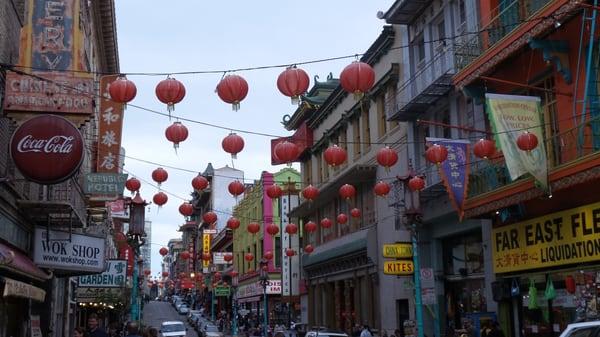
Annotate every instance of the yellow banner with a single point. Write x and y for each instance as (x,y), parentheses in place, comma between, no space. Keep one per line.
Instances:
(567,237)
(205,249)
(398,250)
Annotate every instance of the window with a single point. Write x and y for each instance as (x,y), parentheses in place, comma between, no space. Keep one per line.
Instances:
(307,171)
(440,34)
(462,12)
(343,142)
(254,260)
(319,168)
(381,117)
(356,137)
(446,131)
(277,252)
(325,167)
(366,129)
(419,45)
(550,119)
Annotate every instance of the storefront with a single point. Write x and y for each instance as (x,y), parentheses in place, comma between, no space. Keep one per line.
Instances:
(548,271)
(250,299)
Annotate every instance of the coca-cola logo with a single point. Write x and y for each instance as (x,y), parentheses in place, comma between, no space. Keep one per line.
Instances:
(47,149)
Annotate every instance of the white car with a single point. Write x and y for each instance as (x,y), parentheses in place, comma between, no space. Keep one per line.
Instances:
(211,331)
(173,329)
(584,329)
(326,333)
(183,309)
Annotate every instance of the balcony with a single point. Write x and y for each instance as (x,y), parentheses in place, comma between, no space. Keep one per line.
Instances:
(59,205)
(431,81)
(505,30)
(573,158)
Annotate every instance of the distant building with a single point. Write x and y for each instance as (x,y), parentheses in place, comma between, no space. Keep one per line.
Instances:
(146,249)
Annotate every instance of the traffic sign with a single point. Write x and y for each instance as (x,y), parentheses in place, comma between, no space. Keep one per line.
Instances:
(222,291)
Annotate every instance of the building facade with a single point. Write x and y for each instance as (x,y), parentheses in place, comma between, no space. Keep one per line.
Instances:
(344,274)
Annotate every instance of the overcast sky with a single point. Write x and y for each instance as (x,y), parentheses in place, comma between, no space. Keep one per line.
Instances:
(193,35)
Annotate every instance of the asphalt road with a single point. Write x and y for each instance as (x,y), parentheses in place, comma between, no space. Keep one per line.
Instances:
(157,312)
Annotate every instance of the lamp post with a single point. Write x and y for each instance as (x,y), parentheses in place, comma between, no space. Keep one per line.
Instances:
(264,281)
(136,239)
(290,188)
(212,294)
(234,285)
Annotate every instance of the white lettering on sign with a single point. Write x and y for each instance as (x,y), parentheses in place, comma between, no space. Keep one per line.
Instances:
(56,144)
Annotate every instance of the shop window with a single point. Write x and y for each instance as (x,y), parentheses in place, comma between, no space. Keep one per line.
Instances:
(463,255)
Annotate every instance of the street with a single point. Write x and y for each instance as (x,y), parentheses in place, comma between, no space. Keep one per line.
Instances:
(157,312)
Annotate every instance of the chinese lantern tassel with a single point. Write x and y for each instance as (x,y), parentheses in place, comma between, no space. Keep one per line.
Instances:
(295,100)
(235,106)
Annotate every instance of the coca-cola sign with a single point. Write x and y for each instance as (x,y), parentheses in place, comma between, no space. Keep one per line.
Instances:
(47,149)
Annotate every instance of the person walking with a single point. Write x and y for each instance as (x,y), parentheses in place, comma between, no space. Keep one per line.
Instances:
(93,329)
(78,332)
(133,330)
(366,332)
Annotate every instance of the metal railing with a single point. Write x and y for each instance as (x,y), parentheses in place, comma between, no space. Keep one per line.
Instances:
(505,18)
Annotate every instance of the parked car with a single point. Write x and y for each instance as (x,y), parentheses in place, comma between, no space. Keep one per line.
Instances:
(190,313)
(584,329)
(183,309)
(326,333)
(211,330)
(173,329)
(195,320)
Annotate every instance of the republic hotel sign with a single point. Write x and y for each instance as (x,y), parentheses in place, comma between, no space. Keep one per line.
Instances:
(567,237)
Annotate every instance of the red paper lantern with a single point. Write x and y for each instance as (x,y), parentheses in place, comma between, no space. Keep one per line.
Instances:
(199,183)
(217,276)
(228,257)
(357,78)
(132,185)
(326,223)
(274,191)
(253,228)
(484,148)
(122,90)
(436,154)
(176,133)
(233,223)
(233,273)
(268,255)
(233,89)
(335,155)
(570,284)
(272,229)
(527,141)
(233,144)
(206,256)
(248,257)
(184,256)
(342,218)
(160,198)
(170,92)
(147,272)
(181,275)
(160,175)
(286,151)
(199,277)
(165,274)
(310,192)
(186,209)
(347,191)
(416,183)
(309,249)
(289,252)
(387,157)
(163,251)
(382,188)
(355,213)
(310,227)
(236,188)
(209,217)
(293,82)
(291,229)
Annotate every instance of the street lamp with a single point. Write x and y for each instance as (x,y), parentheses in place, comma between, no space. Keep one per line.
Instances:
(264,281)
(234,285)
(136,239)
(290,188)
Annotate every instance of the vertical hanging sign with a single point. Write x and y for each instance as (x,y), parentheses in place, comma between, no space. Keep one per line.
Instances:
(205,249)
(110,127)
(454,171)
(511,116)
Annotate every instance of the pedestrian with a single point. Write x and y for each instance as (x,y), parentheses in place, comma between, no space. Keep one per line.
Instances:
(366,332)
(398,333)
(495,330)
(133,330)
(356,330)
(93,329)
(152,332)
(384,334)
(78,332)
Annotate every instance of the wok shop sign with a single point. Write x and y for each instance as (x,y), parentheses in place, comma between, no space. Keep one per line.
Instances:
(68,251)
(561,238)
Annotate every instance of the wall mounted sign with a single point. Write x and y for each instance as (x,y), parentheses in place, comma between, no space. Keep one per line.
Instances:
(20,289)
(47,149)
(114,276)
(400,267)
(567,237)
(68,251)
(104,183)
(398,250)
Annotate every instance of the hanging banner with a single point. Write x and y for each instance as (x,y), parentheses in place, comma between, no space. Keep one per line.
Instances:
(511,116)
(205,249)
(110,128)
(454,171)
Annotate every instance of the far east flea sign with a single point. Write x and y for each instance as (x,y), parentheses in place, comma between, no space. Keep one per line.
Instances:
(114,276)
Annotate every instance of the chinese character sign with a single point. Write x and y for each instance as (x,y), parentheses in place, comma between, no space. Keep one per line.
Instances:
(454,171)
(110,127)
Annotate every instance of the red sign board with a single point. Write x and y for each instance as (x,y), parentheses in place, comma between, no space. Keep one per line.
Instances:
(47,149)
(110,128)
(49,93)
(303,138)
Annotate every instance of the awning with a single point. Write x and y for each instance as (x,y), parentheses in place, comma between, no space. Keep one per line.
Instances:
(327,192)
(343,246)
(249,299)
(14,288)
(16,262)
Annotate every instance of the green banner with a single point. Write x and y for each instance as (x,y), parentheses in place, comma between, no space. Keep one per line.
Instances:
(222,291)
(511,116)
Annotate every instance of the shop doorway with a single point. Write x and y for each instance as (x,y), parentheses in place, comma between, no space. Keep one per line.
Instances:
(402,313)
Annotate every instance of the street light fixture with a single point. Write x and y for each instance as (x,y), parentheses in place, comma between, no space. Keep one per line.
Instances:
(234,286)
(136,239)
(264,281)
